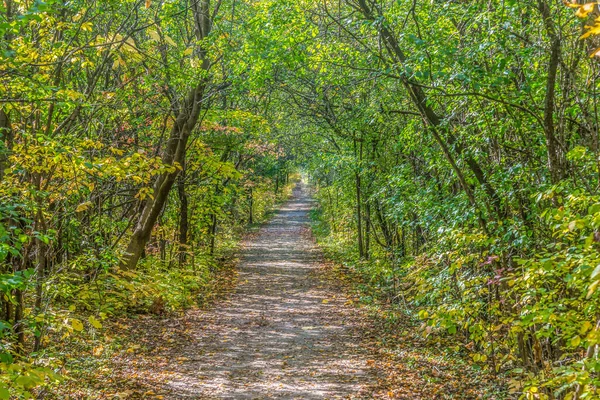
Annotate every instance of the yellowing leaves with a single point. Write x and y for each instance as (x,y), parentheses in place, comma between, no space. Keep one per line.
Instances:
(83,206)
(94,322)
(70,94)
(591,30)
(133,348)
(98,350)
(77,325)
(587,325)
(585,10)
(87,26)
(145,192)
(153,35)
(595,53)
(118,62)
(170,41)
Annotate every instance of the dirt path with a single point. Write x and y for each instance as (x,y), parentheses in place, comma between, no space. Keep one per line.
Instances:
(282,334)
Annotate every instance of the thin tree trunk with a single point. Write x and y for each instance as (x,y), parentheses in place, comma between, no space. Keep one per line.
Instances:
(367,230)
(213,233)
(6,140)
(183,218)
(251,207)
(359,227)
(40,271)
(555,164)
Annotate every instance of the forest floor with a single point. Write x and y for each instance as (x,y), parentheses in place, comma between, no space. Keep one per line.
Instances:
(289,329)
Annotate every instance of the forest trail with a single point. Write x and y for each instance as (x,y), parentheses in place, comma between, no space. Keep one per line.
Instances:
(282,333)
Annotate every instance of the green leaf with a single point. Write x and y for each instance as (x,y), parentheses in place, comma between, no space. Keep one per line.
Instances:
(594,208)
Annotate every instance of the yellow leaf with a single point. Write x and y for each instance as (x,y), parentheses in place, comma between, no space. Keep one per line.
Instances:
(154,35)
(595,53)
(83,206)
(170,41)
(572,226)
(130,42)
(587,325)
(325,301)
(571,5)
(148,3)
(98,350)
(94,322)
(591,30)
(585,10)
(188,51)
(575,341)
(77,325)
(87,26)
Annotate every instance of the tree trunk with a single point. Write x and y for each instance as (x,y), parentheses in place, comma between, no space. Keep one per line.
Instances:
(359,227)
(183,217)
(19,327)
(186,121)
(367,230)
(174,153)
(251,207)
(6,140)
(213,233)
(40,272)
(555,164)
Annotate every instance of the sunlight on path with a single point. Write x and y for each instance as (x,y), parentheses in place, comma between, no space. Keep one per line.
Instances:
(282,334)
